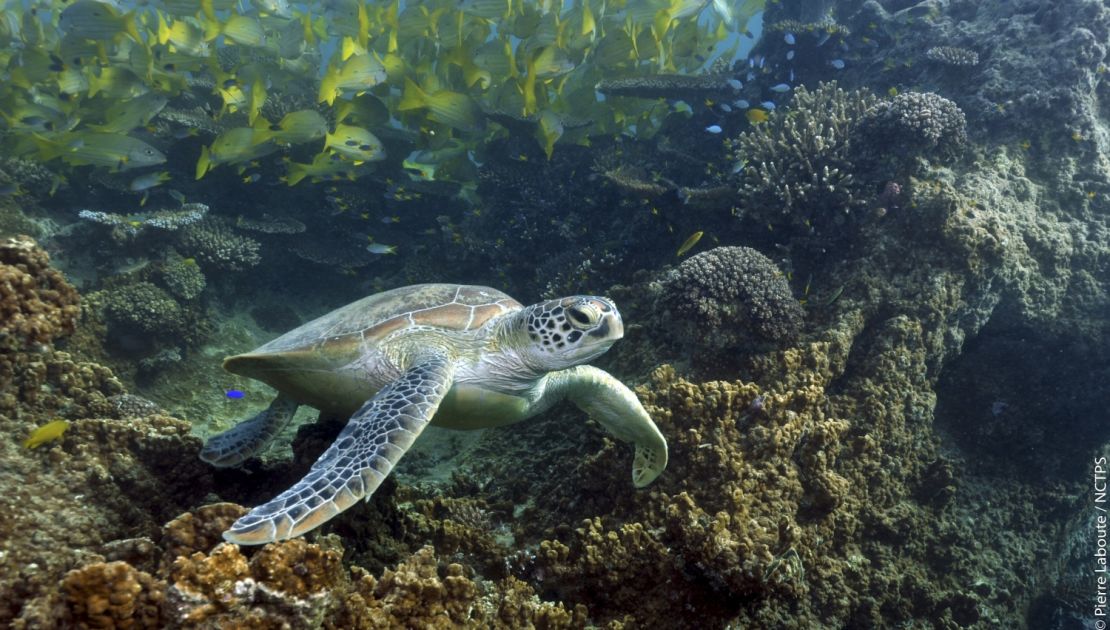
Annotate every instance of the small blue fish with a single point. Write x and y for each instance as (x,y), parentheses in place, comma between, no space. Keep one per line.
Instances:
(837,63)
(792,75)
(735,84)
(789,38)
(768,105)
(713,129)
(726,108)
(781,88)
(742,104)
(790,55)
(235,394)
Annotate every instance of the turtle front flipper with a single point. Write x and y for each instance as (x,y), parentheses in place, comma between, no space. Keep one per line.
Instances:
(375,438)
(616,407)
(250,437)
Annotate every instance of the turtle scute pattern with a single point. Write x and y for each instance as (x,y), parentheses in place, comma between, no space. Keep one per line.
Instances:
(362,456)
(459,307)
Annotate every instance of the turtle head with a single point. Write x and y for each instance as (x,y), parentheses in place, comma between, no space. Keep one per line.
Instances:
(571,330)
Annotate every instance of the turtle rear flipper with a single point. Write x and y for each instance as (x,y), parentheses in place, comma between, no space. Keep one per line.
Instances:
(250,437)
(367,449)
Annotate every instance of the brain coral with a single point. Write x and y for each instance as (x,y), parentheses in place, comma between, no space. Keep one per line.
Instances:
(730,296)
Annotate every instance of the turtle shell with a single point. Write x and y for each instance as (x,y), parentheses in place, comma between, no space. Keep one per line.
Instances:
(342,336)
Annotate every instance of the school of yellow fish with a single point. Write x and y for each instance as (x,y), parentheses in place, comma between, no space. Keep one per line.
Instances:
(81,81)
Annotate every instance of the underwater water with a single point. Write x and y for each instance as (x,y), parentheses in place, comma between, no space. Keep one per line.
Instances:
(517,314)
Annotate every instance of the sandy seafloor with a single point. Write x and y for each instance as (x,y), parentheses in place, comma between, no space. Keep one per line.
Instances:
(884,386)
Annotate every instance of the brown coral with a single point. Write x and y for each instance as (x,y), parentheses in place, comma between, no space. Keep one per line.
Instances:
(198,530)
(111,595)
(37,305)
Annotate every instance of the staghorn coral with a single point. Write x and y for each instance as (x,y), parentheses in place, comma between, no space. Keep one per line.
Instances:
(798,172)
(37,305)
(213,243)
(729,296)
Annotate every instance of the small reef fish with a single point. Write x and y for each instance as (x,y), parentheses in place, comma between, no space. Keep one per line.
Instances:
(324,166)
(297,128)
(116,152)
(379,249)
(234,394)
(756,116)
(148,181)
(689,243)
(788,38)
(781,88)
(92,19)
(837,63)
(357,74)
(713,129)
(355,143)
(450,108)
(240,144)
(46,433)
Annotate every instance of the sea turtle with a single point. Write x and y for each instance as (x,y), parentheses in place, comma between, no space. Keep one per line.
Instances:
(464,357)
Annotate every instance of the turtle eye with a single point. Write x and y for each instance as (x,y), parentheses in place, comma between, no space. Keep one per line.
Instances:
(579,316)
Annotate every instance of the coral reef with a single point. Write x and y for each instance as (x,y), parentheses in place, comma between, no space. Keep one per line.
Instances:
(953,56)
(797,170)
(214,244)
(142,309)
(182,277)
(920,124)
(111,595)
(37,305)
(728,297)
(130,225)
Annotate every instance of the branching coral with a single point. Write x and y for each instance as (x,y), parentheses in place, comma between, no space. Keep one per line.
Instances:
(213,243)
(798,172)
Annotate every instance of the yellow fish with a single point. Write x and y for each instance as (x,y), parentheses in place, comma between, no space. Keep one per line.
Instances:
(689,243)
(450,108)
(756,116)
(355,143)
(297,128)
(46,433)
(359,73)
